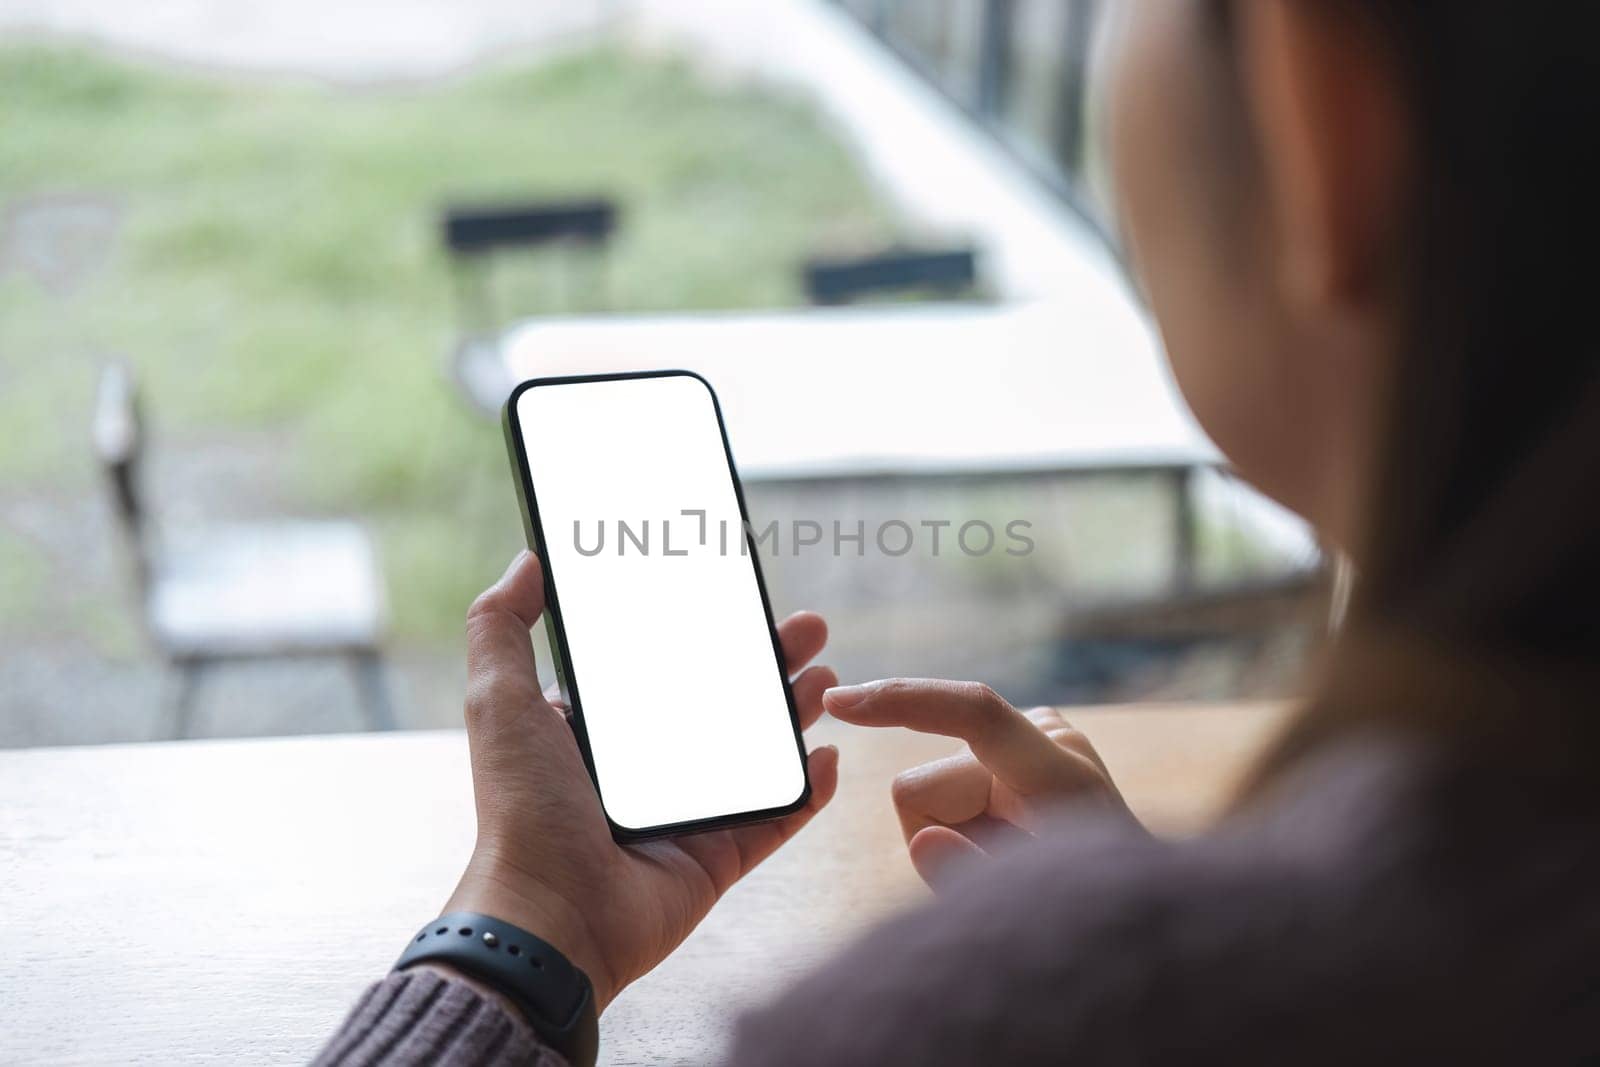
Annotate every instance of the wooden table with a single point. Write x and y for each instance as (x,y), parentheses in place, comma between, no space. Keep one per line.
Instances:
(224,902)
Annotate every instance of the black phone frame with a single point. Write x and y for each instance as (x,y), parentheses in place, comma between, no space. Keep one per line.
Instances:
(528,503)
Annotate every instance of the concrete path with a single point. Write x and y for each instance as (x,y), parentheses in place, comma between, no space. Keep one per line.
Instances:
(347,41)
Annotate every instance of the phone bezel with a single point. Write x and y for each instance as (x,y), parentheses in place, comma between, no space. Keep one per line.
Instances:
(527,499)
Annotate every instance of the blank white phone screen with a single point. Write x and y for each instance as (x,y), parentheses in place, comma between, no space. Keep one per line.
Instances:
(667,637)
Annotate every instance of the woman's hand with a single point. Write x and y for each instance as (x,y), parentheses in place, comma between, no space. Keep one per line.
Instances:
(1017,766)
(545,859)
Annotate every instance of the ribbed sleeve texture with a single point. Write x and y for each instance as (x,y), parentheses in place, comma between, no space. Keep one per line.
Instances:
(422,1017)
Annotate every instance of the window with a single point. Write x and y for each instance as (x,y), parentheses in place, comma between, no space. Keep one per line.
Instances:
(1042,102)
(944,38)
(1018,67)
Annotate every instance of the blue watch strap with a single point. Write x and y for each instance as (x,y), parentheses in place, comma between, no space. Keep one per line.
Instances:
(555,997)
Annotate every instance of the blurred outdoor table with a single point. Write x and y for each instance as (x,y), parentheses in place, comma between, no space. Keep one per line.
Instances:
(831,392)
(226,901)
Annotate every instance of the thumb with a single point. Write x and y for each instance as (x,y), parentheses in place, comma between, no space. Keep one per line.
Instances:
(938,853)
(500,662)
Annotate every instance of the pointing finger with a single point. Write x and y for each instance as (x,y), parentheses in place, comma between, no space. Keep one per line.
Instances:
(1016,751)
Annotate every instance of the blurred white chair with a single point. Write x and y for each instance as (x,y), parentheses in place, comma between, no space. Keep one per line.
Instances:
(242,591)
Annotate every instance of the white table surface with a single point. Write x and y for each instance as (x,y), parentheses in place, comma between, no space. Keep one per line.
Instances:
(1061,384)
(225,901)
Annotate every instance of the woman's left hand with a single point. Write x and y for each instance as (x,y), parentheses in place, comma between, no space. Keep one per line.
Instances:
(545,859)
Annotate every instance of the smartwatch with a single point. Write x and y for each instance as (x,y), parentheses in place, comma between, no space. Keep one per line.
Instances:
(554,996)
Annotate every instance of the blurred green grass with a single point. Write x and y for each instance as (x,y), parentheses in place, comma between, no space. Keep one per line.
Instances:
(276,267)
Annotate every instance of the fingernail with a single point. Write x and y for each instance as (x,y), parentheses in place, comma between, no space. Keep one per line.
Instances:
(820,749)
(845,696)
(516,561)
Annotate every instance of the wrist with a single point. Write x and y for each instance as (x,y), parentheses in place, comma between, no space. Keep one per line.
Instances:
(516,971)
(494,888)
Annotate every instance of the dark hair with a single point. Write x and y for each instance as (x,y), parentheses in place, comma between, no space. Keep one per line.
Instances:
(1477,606)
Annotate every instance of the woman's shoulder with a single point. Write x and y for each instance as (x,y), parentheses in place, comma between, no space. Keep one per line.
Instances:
(1376,900)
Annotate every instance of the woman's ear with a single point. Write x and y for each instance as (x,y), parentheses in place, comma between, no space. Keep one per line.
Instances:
(1330,129)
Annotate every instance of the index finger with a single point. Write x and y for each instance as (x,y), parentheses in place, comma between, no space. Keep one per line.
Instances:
(1016,751)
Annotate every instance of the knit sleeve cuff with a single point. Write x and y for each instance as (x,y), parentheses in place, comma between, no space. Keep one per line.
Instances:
(423,1017)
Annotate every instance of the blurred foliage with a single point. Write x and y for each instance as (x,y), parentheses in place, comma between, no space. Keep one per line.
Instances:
(271,266)
(22,567)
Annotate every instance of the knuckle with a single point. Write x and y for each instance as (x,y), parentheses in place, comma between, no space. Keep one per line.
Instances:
(904,787)
(986,696)
(479,623)
(491,693)
(483,605)
(481,700)
(1074,740)
(992,709)
(1046,718)
(896,688)
(480,689)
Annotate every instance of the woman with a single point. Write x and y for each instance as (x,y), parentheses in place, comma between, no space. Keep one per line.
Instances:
(1349,217)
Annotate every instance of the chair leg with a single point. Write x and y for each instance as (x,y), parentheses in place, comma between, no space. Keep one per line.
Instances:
(1185,530)
(373,688)
(185,691)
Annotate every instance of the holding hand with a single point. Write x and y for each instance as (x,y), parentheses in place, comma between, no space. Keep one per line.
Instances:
(545,859)
(1017,766)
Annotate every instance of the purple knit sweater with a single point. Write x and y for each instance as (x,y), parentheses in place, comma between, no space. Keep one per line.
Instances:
(1378,912)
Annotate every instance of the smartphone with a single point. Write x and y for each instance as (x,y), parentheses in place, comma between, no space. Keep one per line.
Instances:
(657,614)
